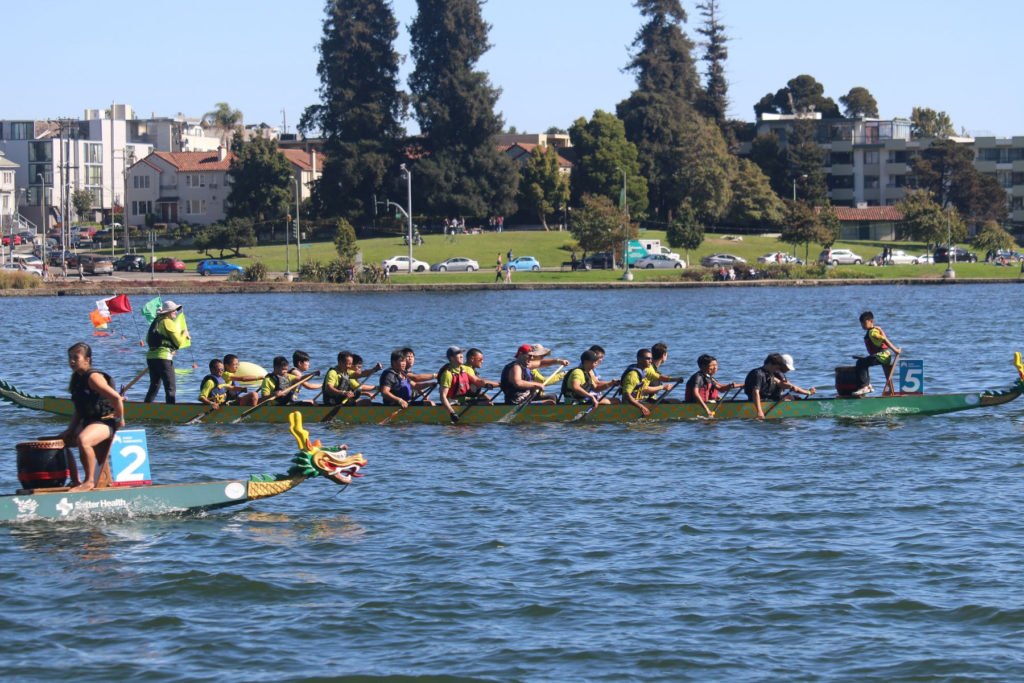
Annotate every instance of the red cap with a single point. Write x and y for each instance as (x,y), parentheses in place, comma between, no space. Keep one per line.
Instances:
(525,348)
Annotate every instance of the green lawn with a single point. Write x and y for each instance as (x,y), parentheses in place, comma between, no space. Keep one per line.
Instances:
(552,248)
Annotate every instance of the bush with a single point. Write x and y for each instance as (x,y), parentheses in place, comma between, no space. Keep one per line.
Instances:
(255,272)
(19,281)
(335,271)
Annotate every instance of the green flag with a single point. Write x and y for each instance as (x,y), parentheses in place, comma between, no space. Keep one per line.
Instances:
(150,309)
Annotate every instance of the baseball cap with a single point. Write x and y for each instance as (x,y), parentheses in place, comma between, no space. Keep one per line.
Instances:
(525,348)
(454,351)
(789,362)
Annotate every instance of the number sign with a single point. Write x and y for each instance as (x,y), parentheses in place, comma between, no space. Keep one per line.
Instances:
(912,376)
(129,458)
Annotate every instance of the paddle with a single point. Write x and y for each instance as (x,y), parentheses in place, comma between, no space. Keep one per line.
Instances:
(268,399)
(475,401)
(589,410)
(125,388)
(729,400)
(510,415)
(781,399)
(665,393)
(344,402)
(415,396)
(888,389)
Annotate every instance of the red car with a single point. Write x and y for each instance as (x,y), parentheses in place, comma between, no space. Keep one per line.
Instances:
(7,240)
(169,264)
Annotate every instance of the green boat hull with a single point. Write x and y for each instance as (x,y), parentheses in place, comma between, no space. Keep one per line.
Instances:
(122,502)
(181,413)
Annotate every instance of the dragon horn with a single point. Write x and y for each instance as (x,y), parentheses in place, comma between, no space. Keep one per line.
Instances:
(300,434)
(1018,363)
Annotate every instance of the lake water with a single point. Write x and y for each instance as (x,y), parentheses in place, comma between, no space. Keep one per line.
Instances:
(884,549)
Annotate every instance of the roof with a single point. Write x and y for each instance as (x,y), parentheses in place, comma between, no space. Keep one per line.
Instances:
(196,161)
(303,159)
(528,147)
(869,213)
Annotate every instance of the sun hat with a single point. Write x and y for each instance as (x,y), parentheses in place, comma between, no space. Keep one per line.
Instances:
(167,307)
(789,362)
(539,350)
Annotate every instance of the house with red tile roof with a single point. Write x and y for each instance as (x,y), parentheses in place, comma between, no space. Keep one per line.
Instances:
(193,187)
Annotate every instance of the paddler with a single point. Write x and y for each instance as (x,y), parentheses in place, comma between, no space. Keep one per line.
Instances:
(456,380)
(395,387)
(702,385)
(769,382)
(579,387)
(420,381)
(475,361)
(342,385)
(637,379)
(277,382)
(213,389)
(98,413)
(164,339)
(238,394)
(659,354)
(879,353)
(300,368)
(599,384)
(521,380)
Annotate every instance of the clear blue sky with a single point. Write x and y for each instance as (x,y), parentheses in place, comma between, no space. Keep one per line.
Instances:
(555,60)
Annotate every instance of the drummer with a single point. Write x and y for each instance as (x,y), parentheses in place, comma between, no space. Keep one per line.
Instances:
(99,412)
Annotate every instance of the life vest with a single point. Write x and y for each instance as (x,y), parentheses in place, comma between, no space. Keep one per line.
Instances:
(404,389)
(873,348)
(155,337)
(638,393)
(219,392)
(708,392)
(460,380)
(587,386)
(280,383)
(90,405)
(513,394)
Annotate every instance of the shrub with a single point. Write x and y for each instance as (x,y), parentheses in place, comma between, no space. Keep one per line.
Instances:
(19,281)
(255,272)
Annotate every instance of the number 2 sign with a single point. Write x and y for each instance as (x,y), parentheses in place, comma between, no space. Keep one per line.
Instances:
(912,376)
(129,459)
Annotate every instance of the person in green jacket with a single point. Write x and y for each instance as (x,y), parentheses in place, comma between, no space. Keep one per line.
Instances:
(164,340)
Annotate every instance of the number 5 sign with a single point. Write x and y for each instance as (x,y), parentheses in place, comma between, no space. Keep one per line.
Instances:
(129,459)
(912,376)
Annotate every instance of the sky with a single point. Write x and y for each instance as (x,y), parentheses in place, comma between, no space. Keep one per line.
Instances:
(554,60)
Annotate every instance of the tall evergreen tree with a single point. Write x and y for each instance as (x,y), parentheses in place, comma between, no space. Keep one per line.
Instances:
(667,86)
(715,101)
(462,170)
(361,110)
(602,155)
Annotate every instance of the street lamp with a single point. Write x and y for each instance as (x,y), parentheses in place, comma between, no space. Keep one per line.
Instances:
(42,199)
(407,174)
(628,274)
(298,225)
(801,178)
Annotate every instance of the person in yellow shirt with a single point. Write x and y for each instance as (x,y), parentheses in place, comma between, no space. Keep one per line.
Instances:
(164,339)
(636,382)
(456,380)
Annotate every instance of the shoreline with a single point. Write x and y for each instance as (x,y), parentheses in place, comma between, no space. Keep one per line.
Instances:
(178,287)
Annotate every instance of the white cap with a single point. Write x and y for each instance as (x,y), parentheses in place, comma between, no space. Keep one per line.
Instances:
(789,362)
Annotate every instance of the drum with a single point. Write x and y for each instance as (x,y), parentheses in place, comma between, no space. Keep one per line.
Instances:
(42,464)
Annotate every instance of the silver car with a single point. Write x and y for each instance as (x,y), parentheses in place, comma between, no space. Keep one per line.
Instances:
(456,263)
(837,257)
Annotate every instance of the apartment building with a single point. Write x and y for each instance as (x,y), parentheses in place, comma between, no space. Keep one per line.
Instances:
(8,198)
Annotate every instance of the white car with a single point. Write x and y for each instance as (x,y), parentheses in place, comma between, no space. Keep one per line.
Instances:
(779,257)
(836,257)
(665,251)
(400,264)
(923,259)
(898,257)
(23,268)
(456,263)
(658,261)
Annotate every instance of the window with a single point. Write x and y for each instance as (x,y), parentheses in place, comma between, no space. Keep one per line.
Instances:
(97,195)
(195,207)
(870,182)
(871,156)
(35,170)
(94,153)
(40,151)
(20,130)
(897,156)
(142,208)
(140,182)
(195,180)
(844,158)
(93,175)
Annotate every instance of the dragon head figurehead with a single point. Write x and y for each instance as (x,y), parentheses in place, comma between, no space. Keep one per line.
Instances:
(314,459)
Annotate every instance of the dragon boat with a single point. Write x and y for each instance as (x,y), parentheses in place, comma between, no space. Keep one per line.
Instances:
(197,413)
(312,460)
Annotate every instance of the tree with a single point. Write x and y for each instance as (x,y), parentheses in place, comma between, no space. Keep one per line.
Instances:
(667,86)
(686,230)
(345,241)
(260,179)
(462,171)
(754,203)
(599,226)
(926,221)
(805,160)
(928,123)
(767,153)
(236,234)
(803,226)
(802,94)
(81,200)
(225,120)
(715,102)
(602,154)
(992,237)
(543,186)
(361,107)
(829,223)
(703,171)
(859,102)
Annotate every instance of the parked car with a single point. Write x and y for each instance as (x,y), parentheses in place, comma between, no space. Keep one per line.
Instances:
(6,240)
(55,258)
(658,261)
(779,257)
(169,264)
(720,260)
(130,262)
(95,264)
(23,268)
(397,264)
(522,263)
(923,259)
(897,257)
(456,263)
(602,260)
(26,236)
(101,237)
(838,257)
(960,255)
(216,266)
